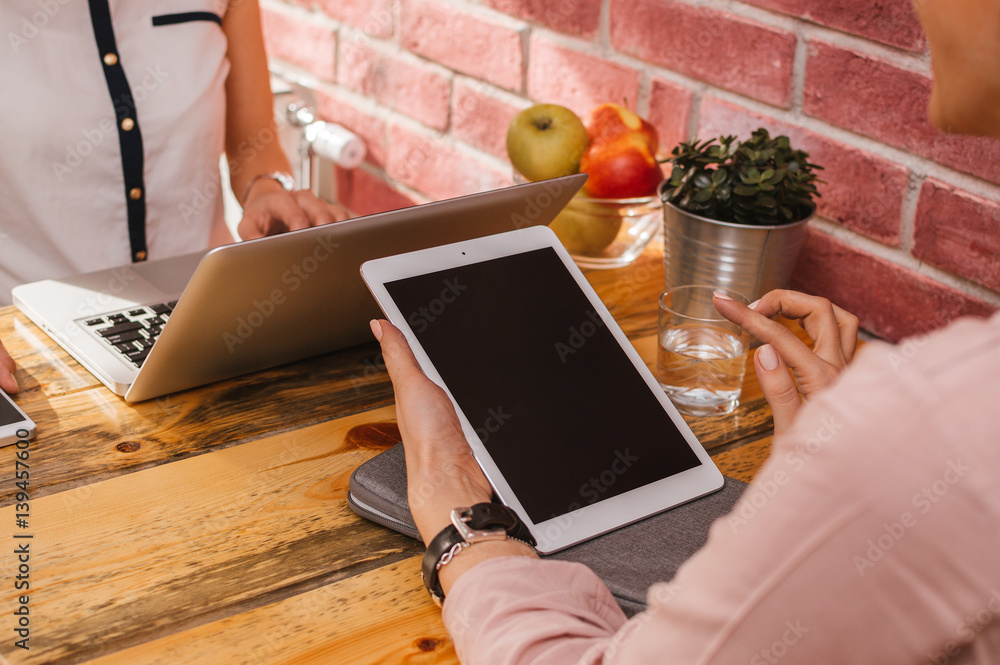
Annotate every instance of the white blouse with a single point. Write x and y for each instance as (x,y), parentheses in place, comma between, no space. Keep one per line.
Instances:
(113,121)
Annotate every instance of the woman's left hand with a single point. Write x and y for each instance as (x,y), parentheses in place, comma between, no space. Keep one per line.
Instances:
(270,210)
(441,473)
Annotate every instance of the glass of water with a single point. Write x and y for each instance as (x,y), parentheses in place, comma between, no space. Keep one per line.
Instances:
(700,355)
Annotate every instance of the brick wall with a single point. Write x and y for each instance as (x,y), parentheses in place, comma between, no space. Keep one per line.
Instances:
(909,229)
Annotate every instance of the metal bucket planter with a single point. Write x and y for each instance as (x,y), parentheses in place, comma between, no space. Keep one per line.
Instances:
(751,260)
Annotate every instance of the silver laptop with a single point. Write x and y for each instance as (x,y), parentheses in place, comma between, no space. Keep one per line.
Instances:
(150,329)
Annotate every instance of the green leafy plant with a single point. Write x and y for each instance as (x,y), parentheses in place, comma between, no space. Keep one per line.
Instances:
(761,181)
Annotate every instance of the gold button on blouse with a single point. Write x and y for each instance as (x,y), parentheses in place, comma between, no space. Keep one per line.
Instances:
(140,255)
(110,59)
(128,124)
(135,193)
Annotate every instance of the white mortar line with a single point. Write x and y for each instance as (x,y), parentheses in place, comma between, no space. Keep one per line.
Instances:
(906,260)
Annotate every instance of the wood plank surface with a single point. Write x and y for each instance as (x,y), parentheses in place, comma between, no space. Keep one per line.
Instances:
(382,616)
(122,565)
(632,293)
(92,434)
(744,462)
(129,559)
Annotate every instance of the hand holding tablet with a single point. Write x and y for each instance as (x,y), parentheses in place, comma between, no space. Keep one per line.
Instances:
(565,420)
(443,473)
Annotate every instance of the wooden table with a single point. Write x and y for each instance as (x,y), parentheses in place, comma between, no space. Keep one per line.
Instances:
(212,526)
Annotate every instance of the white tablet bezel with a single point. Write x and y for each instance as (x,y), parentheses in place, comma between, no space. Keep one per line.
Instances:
(589,521)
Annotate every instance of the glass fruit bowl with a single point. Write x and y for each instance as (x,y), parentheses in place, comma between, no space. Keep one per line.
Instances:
(606,233)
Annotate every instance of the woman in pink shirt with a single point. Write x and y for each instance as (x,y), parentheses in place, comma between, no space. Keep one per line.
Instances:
(880,542)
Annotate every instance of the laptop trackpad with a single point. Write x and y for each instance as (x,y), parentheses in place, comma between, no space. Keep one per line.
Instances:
(169,275)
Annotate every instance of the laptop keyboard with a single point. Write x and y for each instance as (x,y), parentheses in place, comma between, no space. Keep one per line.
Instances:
(132,332)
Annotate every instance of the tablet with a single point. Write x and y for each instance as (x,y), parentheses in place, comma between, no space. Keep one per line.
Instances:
(561,413)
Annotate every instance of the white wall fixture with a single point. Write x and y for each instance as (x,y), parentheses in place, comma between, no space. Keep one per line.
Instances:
(322,139)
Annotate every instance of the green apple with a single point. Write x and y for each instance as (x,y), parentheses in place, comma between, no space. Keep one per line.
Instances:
(586,229)
(546,141)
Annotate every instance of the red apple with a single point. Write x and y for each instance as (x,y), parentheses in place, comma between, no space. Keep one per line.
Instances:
(620,169)
(608,122)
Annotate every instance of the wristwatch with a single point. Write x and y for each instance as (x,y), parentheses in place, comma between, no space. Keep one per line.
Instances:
(479,523)
(283,179)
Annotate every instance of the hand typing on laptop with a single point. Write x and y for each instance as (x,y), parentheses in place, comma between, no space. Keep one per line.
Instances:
(269,209)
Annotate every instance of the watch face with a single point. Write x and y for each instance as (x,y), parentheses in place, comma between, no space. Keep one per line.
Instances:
(485,516)
(286,180)
(488,521)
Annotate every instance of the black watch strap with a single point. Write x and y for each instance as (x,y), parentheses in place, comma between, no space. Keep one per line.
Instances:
(478,523)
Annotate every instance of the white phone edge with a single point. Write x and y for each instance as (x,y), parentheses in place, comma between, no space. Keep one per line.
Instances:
(10,433)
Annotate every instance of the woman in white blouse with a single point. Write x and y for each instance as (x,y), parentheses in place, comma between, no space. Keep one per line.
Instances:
(114,115)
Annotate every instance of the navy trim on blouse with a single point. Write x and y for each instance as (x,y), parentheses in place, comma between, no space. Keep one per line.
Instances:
(130,138)
(186,17)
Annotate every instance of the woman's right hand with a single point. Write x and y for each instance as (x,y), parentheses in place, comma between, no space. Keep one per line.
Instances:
(834,332)
(7,368)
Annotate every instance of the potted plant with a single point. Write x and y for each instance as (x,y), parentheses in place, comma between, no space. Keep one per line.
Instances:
(735,212)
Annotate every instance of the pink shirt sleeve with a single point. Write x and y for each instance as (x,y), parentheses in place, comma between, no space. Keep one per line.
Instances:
(872,535)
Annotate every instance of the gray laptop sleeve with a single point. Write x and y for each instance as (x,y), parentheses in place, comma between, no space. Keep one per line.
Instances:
(629,559)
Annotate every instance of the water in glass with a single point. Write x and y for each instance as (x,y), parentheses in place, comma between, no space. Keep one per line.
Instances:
(701,368)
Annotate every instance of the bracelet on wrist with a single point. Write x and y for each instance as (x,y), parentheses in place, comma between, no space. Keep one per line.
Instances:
(284,179)
(483,522)
(458,548)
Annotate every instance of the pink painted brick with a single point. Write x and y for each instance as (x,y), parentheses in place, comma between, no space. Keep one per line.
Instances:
(301,42)
(669,111)
(561,75)
(368,127)
(417,89)
(372,16)
(575,17)
(366,194)
(891,22)
(399,81)
(357,66)
(425,163)
(890,300)
(480,118)
(720,48)
(889,104)
(862,192)
(959,233)
(486,49)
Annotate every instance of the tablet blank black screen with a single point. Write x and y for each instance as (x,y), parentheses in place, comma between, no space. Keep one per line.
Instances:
(555,400)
